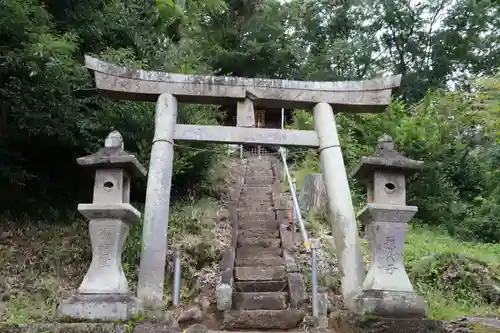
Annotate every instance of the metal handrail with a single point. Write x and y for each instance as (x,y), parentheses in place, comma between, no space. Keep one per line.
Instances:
(310,245)
(295,202)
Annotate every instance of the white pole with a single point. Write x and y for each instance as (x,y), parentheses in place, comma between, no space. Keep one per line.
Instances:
(344,228)
(283,125)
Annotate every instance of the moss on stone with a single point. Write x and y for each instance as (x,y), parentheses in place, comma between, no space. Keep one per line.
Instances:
(346,322)
(63,328)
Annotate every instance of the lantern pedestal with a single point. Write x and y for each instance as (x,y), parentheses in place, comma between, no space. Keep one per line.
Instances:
(387,290)
(101,306)
(104,293)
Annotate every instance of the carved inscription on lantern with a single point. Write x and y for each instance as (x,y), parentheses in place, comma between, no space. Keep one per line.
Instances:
(389,247)
(104,248)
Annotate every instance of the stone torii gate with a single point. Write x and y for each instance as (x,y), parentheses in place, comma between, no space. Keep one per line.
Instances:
(167,90)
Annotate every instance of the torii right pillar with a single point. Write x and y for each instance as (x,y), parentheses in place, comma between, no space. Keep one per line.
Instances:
(387,290)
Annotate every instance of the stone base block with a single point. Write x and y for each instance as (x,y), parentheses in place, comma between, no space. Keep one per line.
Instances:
(224,296)
(63,328)
(391,304)
(351,323)
(257,320)
(101,307)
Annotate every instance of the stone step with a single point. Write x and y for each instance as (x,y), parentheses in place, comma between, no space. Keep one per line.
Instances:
(259,216)
(262,319)
(260,199)
(245,222)
(262,261)
(258,233)
(258,251)
(259,175)
(259,169)
(245,273)
(260,286)
(258,186)
(250,331)
(256,224)
(256,241)
(255,201)
(257,209)
(252,206)
(257,256)
(260,301)
(259,180)
(249,217)
(253,188)
(256,195)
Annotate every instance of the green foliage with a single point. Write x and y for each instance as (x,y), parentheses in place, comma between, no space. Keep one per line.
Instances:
(49,116)
(455,134)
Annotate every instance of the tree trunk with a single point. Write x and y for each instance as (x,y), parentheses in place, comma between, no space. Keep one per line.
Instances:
(312,193)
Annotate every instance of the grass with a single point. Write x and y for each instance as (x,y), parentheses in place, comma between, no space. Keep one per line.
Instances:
(422,242)
(445,302)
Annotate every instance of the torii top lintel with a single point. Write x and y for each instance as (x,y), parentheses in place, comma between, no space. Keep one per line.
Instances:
(135,84)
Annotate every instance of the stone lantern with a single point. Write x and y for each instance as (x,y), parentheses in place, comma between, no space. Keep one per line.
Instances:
(387,290)
(104,292)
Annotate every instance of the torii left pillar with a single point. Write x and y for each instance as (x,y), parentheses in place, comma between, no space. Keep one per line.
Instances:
(156,211)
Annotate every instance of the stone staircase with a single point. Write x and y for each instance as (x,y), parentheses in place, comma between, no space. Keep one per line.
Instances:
(262,295)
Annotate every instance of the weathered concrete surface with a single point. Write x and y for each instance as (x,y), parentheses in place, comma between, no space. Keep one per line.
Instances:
(260,300)
(156,211)
(135,84)
(262,319)
(242,135)
(101,307)
(245,113)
